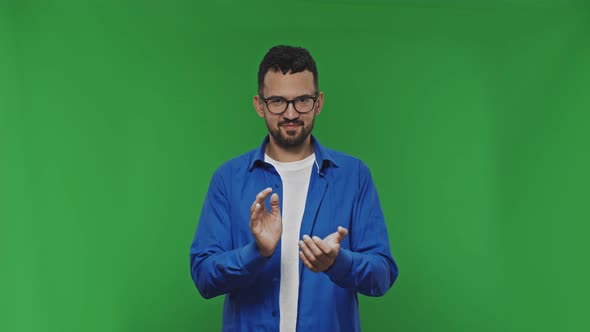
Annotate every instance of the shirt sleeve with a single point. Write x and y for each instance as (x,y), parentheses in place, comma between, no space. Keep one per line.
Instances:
(217,268)
(368,266)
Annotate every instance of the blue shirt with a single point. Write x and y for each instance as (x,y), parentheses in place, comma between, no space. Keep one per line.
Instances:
(224,258)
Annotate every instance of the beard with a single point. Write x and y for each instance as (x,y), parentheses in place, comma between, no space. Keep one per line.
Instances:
(290,138)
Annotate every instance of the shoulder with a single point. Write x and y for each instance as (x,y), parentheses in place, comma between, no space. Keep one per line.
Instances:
(236,164)
(231,170)
(345,162)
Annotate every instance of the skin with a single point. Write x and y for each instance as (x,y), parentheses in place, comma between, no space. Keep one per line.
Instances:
(317,254)
(266,226)
(289,86)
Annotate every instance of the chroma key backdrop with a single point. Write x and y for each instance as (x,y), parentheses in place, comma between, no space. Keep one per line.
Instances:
(473,116)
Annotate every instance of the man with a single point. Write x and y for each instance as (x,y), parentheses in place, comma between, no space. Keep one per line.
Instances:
(291,231)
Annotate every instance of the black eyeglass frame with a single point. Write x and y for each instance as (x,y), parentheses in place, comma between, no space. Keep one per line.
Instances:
(292,101)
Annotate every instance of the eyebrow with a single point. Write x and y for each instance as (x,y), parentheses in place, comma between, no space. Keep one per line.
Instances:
(305,95)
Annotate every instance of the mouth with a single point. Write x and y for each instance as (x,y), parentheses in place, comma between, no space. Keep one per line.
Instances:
(290,126)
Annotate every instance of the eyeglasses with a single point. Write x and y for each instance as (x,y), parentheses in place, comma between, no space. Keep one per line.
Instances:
(278,105)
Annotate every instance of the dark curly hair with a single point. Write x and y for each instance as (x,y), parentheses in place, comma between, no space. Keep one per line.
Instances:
(286,58)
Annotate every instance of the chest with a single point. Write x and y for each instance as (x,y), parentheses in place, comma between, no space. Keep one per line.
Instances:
(326,203)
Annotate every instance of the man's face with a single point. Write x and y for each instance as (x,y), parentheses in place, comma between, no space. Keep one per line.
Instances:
(291,128)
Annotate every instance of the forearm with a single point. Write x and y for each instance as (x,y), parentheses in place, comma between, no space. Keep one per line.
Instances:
(367,266)
(370,274)
(216,273)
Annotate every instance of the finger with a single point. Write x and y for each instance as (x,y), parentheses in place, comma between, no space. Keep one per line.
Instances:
(308,254)
(255,213)
(275,205)
(307,263)
(326,249)
(311,258)
(252,207)
(323,260)
(261,197)
(313,248)
(342,232)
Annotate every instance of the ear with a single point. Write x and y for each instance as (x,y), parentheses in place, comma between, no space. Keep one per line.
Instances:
(320,103)
(258,106)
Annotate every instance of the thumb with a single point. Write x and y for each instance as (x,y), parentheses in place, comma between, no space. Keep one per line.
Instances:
(342,232)
(275,205)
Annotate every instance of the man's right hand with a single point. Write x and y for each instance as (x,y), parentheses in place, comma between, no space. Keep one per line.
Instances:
(266,226)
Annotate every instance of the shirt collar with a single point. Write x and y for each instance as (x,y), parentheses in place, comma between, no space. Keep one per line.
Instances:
(323,156)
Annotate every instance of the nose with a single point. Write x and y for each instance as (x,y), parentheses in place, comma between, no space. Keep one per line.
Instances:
(290,112)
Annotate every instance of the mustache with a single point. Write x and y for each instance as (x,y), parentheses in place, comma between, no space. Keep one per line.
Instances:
(295,122)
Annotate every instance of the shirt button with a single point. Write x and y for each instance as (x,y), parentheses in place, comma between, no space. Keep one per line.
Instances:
(274,314)
(275,279)
(276,185)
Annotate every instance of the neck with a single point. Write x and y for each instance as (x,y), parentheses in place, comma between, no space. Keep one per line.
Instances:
(289,154)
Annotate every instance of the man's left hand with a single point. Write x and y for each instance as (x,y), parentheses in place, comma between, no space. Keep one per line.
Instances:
(319,255)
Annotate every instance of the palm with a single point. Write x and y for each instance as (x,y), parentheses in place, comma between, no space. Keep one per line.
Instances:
(267,229)
(319,255)
(266,226)
(333,240)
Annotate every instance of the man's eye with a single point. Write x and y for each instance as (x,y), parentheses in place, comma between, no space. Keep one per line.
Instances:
(304,100)
(276,101)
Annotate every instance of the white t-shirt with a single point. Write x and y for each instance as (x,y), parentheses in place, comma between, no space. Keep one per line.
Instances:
(295,177)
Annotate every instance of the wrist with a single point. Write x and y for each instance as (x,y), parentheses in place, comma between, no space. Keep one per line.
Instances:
(266,253)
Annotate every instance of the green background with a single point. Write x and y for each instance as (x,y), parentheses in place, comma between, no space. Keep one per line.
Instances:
(473,117)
